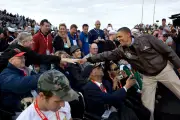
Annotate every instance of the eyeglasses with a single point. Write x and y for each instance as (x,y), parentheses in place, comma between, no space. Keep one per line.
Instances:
(95,48)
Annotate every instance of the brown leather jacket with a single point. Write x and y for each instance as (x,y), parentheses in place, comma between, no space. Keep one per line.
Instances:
(147,54)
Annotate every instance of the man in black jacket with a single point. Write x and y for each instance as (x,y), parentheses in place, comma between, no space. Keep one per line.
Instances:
(150,57)
(110,44)
(24,43)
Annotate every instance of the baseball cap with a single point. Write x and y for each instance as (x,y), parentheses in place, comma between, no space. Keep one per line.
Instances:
(88,69)
(11,29)
(14,53)
(58,84)
(112,32)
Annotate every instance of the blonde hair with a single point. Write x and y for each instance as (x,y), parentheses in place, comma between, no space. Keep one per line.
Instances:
(59,53)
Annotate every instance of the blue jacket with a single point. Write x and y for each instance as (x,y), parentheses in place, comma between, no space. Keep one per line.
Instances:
(73,39)
(14,86)
(85,43)
(93,35)
(96,99)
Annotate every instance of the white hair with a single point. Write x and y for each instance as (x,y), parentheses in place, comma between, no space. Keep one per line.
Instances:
(135,32)
(23,36)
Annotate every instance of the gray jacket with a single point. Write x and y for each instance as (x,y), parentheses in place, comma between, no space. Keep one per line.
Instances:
(149,56)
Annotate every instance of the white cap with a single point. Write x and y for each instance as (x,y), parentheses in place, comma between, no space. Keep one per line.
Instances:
(112,32)
(11,29)
(109,28)
(135,32)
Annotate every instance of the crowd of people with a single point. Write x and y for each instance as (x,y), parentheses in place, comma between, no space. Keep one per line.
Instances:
(90,74)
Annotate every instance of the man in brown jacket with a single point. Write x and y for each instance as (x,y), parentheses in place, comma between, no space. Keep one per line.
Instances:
(150,57)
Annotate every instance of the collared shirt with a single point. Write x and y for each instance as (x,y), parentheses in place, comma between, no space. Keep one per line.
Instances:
(132,41)
(99,84)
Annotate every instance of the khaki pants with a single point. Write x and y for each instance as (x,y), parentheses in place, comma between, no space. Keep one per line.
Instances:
(168,78)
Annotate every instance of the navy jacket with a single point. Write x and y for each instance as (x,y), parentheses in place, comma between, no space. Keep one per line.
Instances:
(76,73)
(93,35)
(66,73)
(96,99)
(14,86)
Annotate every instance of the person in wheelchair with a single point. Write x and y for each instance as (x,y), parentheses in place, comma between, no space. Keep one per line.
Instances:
(101,100)
(17,82)
(118,78)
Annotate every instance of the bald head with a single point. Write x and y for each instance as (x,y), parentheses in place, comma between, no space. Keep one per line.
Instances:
(98,24)
(93,49)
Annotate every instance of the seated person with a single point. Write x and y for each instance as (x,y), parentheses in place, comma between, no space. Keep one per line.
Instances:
(99,96)
(54,90)
(75,70)
(114,75)
(62,67)
(93,50)
(123,74)
(118,79)
(16,82)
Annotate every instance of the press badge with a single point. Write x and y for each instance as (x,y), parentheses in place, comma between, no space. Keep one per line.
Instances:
(106,114)
(86,39)
(47,52)
(74,42)
(66,45)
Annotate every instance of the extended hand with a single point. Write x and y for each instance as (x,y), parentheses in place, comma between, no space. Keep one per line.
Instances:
(74,61)
(82,61)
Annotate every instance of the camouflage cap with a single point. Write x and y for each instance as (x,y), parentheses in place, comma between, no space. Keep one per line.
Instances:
(58,84)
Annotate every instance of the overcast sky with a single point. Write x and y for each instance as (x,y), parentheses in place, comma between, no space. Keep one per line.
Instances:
(118,12)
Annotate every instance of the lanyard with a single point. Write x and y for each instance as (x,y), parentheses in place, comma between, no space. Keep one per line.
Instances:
(97,31)
(46,40)
(43,117)
(103,90)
